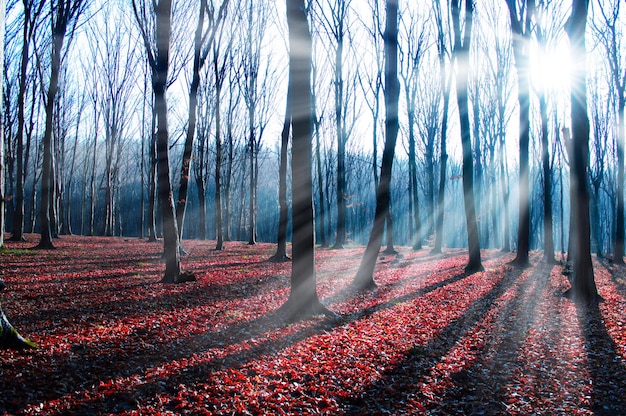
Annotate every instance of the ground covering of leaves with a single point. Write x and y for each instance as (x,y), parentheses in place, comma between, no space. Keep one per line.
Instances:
(429,340)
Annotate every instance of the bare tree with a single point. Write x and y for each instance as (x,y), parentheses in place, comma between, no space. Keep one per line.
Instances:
(608,35)
(157,47)
(461,52)
(336,24)
(32,13)
(583,282)
(203,41)
(521,20)
(445,82)
(415,40)
(365,275)
(303,300)
(64,16)
(114,61)
(2,10)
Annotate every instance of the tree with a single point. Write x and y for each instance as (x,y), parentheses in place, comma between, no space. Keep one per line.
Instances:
(32,13)
(114,74)
(337,26)
(203,41)
(409,71)
(583,282)
(445,83)
(281,249)
(2,11)
(610,40)
(64,19)
(548,240)
(365,275)
(303,300)
(461,52)
(520,28)
(158,54)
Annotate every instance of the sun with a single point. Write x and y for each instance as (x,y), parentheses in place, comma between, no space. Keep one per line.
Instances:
(550,68)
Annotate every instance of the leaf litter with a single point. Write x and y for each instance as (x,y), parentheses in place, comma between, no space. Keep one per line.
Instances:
(429,340)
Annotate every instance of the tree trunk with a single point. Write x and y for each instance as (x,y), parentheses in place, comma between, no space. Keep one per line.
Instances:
(152,229)
(365,275)
(303,300)
(281,249)
(340,240)
(443,158)
(618,250)
(219,226)
(462,54)
(520,30)
(2,10)
(548,239)
(583,282)
(183,190)
(18,219)
(47,177)
(159,85)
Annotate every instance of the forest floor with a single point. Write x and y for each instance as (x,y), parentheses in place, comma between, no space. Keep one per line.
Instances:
(430,340)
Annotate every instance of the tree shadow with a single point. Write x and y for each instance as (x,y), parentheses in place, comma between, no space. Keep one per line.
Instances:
(398,383)
(605,364)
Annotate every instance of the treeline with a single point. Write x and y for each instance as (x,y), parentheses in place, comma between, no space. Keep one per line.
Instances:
(226,87)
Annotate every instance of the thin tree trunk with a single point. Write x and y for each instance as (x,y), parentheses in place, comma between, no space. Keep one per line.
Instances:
(152,229)
(281,249)
(318,164)
(2,10)
(365,275)
(443,158)
(618,249)
(547,184)
(218,158)
(462,53)
(181,203)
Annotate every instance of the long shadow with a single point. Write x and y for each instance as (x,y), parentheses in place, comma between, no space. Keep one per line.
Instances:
(86,365)
(194,294)
(482,387)
(394,386)
(618,275)
(606,366)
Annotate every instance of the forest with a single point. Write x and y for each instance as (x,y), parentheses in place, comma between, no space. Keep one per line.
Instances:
(263,154)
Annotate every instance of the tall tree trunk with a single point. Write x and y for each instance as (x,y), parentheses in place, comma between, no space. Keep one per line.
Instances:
(445,86)
(281,249)
(229,167)
(183,190)
(583,282)
(318,163)
(618,249)
(219,226)
(152,207)
(303,300)
(548,239)
(159,85)
(417,238)
(365,275)
(2,10)
(520,29)
(68,211)
(462,51)
(340,240)
(18,219)
(47,177)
